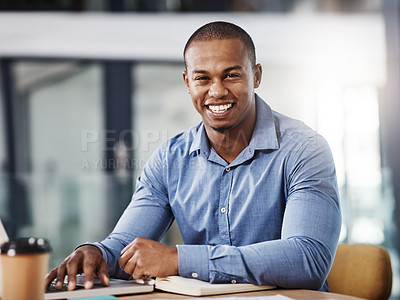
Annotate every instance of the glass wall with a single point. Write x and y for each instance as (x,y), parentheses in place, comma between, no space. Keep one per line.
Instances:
(162,107)
(62,192)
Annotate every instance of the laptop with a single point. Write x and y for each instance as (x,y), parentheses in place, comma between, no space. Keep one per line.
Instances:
(3,234)
(116,287)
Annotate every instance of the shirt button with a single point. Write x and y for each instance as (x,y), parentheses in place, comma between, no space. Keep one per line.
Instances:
(223,210)
(227,169)
(233,281)
(195,275)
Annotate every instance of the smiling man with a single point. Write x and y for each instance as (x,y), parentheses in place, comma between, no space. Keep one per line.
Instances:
(254,192)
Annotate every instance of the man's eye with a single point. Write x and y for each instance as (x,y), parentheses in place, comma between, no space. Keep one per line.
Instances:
(201,78)
(233,75)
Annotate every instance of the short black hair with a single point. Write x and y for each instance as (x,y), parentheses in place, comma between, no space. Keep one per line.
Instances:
(220,30)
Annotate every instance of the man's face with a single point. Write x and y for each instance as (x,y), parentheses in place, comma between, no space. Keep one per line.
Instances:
(221,81)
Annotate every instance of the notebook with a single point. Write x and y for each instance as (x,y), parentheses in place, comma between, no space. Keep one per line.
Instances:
(116,287)
(195,287)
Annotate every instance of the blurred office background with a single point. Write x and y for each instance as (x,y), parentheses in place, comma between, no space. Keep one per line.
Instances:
(90,88)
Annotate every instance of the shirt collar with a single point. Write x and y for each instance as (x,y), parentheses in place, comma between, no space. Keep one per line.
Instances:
(200,142)
(264,135)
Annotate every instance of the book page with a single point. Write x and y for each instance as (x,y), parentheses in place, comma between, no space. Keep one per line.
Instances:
(195,287)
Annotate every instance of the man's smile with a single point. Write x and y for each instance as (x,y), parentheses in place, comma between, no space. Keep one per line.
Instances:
(219,109)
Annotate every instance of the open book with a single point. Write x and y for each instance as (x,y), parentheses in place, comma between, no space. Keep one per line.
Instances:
(195,287)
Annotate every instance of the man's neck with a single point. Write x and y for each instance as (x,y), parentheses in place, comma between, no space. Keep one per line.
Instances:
(229,144)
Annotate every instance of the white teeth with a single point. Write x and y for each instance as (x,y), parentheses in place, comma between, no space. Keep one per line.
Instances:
(220,108)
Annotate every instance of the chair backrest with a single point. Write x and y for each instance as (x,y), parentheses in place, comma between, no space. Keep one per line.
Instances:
(361,270)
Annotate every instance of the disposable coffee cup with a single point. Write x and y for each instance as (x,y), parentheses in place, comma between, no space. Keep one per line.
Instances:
(24,264)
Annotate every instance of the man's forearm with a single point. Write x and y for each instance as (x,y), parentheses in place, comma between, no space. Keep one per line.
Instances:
(291,263)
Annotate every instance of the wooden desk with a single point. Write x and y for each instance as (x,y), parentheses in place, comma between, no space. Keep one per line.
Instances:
(294,294)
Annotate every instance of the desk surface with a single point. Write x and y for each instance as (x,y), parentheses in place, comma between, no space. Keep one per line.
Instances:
(294,294)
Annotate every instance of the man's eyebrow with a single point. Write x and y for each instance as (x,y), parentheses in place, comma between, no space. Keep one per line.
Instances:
(233,68)
(200,71)
(226,70)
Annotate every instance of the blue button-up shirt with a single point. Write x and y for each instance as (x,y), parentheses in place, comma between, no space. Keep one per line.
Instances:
(270,217)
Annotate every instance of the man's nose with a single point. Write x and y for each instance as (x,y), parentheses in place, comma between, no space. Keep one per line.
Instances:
(217,90)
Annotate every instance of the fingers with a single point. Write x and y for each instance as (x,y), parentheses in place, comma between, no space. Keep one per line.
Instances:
(88,269)
(61,272)
(94,265)
(129,251)
(135,266)
(128,261)
(50,277)
(86,259)
(126,255)
(140,272)
(72,271)
(125,249)
(144,257)
(103,274)
(58,274)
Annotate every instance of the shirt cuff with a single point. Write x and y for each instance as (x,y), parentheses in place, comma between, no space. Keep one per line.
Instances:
(193,261)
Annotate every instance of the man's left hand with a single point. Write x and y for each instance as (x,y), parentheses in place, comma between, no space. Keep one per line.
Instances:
(143,258)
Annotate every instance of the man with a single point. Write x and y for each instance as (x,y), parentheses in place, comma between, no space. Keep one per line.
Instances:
(253,192)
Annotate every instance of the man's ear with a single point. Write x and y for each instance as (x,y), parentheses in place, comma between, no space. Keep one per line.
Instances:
(257,75)
(186,80)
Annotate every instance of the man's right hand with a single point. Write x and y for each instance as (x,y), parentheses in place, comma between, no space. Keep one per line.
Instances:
(86,259)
